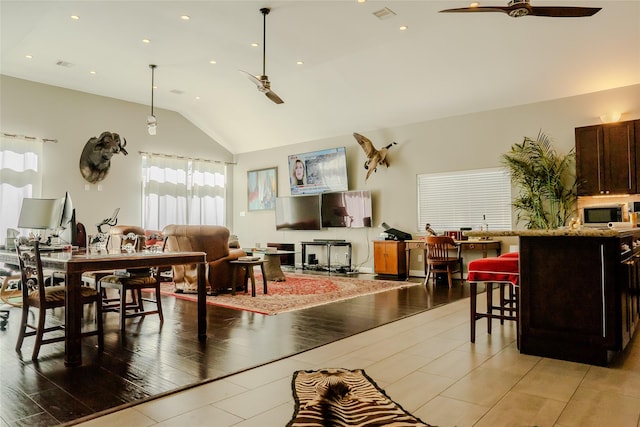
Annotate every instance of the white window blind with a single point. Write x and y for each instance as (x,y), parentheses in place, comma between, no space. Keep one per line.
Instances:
(449,201)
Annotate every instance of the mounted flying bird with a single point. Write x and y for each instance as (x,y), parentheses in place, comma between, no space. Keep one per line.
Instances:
(374,157)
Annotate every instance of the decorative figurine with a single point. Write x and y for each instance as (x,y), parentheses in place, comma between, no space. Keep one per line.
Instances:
(95,159)
(374,157)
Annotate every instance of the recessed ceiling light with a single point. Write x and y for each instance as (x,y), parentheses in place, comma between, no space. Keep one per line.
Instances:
(254,45)
(147,41)
(28,56)
(362,1)
(213,61)
(299,63)
(403,28)
(185,17)
(74,17)
(92,72)
(197,98)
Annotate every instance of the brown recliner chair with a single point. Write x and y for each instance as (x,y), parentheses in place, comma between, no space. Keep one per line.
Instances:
(212,239)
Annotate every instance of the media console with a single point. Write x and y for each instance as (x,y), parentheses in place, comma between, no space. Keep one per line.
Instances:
(328,244)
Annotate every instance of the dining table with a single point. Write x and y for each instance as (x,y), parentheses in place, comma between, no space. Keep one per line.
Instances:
(74,263)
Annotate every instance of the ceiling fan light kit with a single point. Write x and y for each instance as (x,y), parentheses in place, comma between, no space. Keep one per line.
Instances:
(262,81)
(152,122)
(519,8)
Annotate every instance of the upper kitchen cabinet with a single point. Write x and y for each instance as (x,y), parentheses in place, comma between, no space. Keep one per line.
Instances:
(606,158)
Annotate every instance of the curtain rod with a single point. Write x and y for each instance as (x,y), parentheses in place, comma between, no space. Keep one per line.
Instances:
(28,138)
(173,156)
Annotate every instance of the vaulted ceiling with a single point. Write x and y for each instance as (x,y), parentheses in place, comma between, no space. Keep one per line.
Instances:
(360,72)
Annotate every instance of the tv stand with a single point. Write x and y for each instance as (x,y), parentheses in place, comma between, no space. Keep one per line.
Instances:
(328,244)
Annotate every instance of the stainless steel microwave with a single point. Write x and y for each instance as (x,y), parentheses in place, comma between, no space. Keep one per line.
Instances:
(604,214)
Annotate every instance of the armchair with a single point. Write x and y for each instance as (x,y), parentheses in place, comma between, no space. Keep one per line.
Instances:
(214,241)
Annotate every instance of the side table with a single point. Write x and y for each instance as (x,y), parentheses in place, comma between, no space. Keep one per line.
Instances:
(248,273)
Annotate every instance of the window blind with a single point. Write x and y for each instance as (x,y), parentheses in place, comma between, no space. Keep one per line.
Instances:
(449,201)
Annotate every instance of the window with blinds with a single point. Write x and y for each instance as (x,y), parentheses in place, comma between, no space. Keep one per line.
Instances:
(449,201)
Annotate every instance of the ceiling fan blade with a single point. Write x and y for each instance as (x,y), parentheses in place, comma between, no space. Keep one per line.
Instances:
(253,78)
(564,12)
(272,96)
(518,8)
(503,9)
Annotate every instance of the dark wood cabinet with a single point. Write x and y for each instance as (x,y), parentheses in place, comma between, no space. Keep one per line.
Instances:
(389,258)
(606,158)
(580,298)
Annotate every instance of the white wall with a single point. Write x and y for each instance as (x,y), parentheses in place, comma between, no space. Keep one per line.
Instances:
(465,142)
(472,141)
(72,117)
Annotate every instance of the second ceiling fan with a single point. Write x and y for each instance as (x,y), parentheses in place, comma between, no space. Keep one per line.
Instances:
(262,81)
(518,8)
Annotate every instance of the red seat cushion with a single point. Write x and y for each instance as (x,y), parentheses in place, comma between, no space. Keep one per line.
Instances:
(494,269)
(510,255)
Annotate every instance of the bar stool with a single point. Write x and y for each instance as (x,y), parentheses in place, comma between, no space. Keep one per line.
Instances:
(503,271)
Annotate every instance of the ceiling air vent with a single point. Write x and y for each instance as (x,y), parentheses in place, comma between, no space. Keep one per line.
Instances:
(177,91)
(65,64)
(384,13)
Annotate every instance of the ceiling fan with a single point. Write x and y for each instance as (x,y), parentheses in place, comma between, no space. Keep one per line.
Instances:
(518,8)
(262,81)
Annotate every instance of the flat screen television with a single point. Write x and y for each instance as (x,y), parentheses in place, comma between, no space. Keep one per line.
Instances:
(298,213)
(318,171)
(346,209)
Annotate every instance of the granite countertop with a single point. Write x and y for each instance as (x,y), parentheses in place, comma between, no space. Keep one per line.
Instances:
(580,232)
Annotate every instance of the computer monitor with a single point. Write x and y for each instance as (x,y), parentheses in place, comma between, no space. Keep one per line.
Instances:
(40,214)
(67,215)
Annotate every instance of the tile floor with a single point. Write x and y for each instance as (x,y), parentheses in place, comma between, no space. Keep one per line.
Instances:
(426,364)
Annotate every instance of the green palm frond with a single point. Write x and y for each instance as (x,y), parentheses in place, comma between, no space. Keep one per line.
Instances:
(546,182)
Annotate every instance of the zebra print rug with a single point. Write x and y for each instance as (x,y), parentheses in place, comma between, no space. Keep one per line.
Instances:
(342,397)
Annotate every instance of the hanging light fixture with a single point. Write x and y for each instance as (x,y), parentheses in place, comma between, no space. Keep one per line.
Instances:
(152,123)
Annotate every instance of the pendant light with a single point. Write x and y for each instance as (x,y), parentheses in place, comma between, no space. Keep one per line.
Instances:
(152,123)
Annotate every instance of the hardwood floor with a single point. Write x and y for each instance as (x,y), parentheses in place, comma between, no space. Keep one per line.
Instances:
(149,360)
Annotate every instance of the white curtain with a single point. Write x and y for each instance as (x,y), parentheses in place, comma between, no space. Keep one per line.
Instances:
(182,191)
(207,193)
(20,177)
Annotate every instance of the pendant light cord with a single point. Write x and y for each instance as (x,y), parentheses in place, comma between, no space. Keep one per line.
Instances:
(265,11)
(153,69)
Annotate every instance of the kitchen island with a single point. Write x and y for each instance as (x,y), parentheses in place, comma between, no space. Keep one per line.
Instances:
(579,291)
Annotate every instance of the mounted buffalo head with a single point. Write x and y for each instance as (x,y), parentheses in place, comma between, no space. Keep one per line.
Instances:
(95,159)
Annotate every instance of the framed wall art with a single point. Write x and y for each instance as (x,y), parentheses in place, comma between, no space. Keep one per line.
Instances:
(262,189)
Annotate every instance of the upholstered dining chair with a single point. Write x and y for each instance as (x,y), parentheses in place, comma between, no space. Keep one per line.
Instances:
(36,295)
(132,281)
(439,258)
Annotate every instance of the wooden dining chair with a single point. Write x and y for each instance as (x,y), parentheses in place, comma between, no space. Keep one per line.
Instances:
(36,294)
(130,281)
(439,258)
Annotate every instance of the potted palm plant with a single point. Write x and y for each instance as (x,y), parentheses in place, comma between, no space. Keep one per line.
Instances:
(546,181)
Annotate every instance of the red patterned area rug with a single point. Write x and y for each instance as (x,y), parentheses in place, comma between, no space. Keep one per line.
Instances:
(297,292)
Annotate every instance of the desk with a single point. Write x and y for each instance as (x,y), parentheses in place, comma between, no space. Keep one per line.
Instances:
(467,245)
(76,263)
